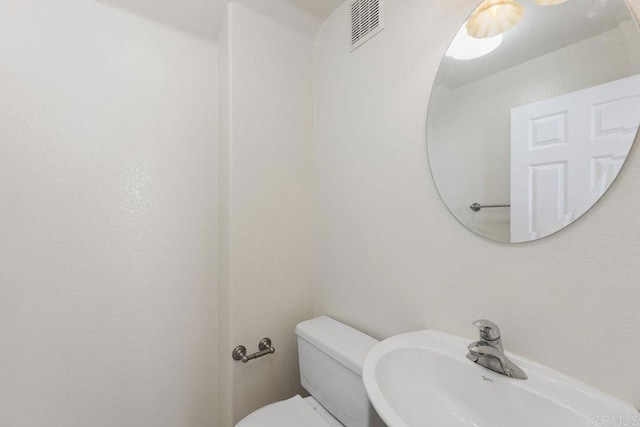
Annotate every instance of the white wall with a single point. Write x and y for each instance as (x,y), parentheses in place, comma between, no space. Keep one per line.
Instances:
(108,172)
(390,258)
(265,205)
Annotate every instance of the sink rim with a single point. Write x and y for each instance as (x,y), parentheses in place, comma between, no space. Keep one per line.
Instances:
(541,378)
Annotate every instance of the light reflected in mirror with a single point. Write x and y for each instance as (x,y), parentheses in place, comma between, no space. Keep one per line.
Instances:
(533,113)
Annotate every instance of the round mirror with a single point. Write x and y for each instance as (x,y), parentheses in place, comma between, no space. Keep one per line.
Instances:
(533,112)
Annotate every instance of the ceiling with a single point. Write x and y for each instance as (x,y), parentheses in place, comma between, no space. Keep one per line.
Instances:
(320,9)
(204,17)
(543,29)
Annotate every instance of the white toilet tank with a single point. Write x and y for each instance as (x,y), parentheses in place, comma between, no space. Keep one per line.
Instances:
(331,357)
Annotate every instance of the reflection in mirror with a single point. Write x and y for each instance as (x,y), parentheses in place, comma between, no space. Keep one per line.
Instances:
(533,112)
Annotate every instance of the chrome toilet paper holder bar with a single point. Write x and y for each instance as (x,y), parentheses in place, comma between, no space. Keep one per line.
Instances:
(264,347)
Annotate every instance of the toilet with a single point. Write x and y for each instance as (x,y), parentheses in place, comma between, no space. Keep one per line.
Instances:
(331,356)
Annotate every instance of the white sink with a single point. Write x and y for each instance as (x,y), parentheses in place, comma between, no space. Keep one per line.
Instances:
(423,379)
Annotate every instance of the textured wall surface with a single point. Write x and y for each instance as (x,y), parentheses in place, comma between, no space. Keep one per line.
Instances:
(265,205)
(389,257)
(108,172)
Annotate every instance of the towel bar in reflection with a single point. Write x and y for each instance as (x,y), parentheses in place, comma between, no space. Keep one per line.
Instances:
(477,207)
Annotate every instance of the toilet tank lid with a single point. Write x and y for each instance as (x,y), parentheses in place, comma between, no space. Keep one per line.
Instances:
(345,344)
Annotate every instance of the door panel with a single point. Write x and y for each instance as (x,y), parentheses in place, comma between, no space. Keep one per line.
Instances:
(566,152)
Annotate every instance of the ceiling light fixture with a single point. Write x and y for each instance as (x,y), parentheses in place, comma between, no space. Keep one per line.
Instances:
(494,17)
(464,47)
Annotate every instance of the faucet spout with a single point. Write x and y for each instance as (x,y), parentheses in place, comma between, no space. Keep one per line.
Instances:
(479,349)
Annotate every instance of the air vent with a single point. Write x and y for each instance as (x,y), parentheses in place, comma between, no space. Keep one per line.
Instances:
(366,21)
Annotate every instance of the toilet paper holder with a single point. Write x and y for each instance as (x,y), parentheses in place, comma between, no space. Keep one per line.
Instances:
(264,346)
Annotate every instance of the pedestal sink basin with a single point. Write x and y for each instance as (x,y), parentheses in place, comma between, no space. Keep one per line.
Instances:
(423,379)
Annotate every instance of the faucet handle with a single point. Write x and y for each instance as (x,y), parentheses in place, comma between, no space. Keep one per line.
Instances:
(489,331)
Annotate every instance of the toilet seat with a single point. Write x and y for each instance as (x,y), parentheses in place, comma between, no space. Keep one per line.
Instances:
(295,412)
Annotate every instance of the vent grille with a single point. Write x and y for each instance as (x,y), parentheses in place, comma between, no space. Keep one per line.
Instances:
(366,21)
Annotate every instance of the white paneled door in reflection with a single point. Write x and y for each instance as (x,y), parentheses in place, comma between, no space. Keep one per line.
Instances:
(565,153)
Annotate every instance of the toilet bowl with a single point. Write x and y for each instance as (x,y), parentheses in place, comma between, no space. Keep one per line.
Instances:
(293,412)
(331,356)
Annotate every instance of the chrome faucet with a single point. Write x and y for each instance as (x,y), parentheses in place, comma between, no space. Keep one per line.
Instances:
(488,352)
